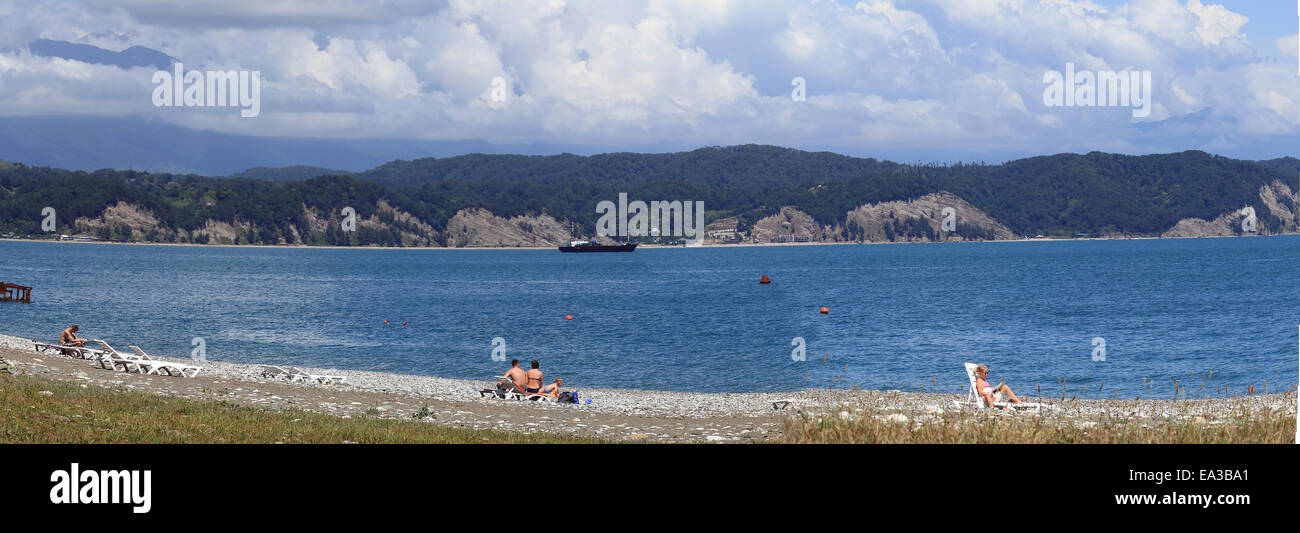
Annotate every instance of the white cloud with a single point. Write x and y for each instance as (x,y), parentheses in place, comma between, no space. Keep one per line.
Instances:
(1289,45)
(939,75)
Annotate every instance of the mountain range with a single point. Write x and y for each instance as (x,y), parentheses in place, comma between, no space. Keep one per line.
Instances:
(751,193)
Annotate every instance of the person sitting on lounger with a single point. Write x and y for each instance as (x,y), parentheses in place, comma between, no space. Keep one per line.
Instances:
(69,337)
(553,390)
(515,378)
(533,379)
(987,391)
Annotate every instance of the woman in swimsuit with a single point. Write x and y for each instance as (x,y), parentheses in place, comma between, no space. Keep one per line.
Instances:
(987,391)
(533,379)
(553,390)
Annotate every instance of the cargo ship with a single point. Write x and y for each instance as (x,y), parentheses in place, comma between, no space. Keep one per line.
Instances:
(593,246)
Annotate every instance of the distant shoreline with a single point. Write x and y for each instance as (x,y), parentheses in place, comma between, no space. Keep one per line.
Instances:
(641,246)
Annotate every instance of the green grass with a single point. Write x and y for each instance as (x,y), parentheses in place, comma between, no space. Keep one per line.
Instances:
(1243,426)
(73,414)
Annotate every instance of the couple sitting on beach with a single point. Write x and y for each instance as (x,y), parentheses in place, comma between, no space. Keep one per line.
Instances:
(531,380)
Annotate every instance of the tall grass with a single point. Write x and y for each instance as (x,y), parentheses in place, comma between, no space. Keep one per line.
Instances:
(36,410)
(1240,424)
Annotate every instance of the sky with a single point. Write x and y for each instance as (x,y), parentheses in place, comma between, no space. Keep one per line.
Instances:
(908,80)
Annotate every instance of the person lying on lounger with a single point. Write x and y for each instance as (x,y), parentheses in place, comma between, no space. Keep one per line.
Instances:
(987,391)
(69,337)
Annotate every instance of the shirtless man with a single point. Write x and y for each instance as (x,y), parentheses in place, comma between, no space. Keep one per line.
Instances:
(69,337)
(534,375)
(516,376)
(987,391)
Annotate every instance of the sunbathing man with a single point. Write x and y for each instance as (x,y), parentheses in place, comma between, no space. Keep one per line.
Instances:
(516,378)
(553,390)
(534,375)
(69,337)
(986,391)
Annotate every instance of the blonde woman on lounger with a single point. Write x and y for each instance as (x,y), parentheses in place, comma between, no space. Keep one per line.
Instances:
(987,391)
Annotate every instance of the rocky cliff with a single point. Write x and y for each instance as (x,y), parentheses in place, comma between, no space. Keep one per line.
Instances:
(1276,201)
(479,227)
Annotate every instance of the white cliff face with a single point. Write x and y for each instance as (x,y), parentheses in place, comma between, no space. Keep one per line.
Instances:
(792,222)
(479,227)
(1276,199)
(872,219)
(875,222)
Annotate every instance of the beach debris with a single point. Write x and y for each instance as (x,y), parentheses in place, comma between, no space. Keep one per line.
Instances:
(714,438)
(45,393)
(897,418)
(933,409)
(11,292)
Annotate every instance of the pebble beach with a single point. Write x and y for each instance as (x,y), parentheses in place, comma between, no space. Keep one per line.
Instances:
(612,414)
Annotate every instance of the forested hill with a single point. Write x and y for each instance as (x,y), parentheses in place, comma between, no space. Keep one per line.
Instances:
(1108,193)
(413,202)
(744,167)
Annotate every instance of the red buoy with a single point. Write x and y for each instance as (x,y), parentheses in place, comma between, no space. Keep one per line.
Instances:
(764,279)
(825,311)
(568,317)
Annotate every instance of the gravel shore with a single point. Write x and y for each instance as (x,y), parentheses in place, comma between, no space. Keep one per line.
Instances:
(614,414)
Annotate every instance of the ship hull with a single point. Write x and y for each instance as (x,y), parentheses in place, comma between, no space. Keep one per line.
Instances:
(592,248)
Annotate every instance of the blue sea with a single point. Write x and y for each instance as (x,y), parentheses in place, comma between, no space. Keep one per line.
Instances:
(1216,315)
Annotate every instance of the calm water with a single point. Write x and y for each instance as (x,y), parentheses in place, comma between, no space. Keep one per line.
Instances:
(901,316)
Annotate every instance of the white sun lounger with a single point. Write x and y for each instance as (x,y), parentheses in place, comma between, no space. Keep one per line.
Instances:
(80,352)
(304,375)
(172,368)
(112,358)
(516,393)
(272,371)
(975,399)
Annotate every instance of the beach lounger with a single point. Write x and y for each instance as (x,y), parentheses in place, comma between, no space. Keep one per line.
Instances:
(303,375)
(975,399)
(275,372)
(516,393)
(70,351)
(111,359)
(170,367)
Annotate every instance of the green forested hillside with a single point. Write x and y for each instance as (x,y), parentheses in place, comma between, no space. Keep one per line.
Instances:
(1060,194)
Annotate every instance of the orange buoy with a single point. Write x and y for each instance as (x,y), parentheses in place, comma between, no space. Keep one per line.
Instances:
(765,279)
(403,323)
(825,311)
(568,317)
(385,321)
